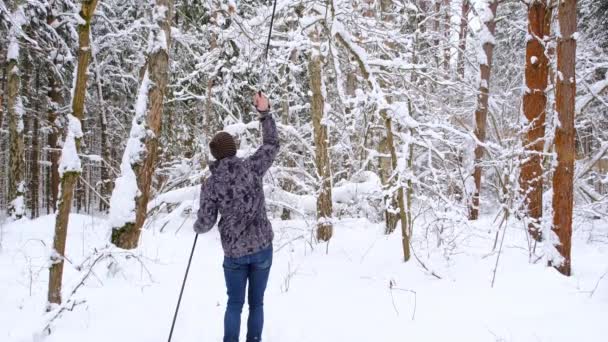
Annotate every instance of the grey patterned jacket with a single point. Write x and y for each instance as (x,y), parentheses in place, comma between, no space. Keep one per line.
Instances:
(235,189)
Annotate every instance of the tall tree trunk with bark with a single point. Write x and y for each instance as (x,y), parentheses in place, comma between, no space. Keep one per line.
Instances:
(2,85)
(324,199)
(446,31)
(55,103)
(398,200)
(488,28)
(69,166)
(564,134)
(35,154)
(534,107)
(139,160)
(462,35)
(385,169)
(15,112)
(105,189)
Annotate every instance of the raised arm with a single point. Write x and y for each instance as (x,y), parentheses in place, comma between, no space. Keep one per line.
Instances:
(207,212)
(263,158)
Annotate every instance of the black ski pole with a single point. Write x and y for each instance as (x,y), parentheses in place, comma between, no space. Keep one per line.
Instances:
(179,300)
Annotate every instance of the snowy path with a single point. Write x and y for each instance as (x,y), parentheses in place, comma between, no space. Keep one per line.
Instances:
(312,297)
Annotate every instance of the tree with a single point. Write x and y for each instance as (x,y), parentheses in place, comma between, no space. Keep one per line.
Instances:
(15,112)
(487,41)
(462,36)
(534,107)
(35,154)
(69,165)
(324,199)
(55,102)
(564,134)
(128,205)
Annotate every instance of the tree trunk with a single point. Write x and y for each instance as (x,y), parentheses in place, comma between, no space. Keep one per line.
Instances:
(70,162)
(56,101)
(446,31)
(15,111)
(35,155)
(2,87)
(125,234)
(287,184)
(481,113)
(564,134)
(534,107)
(106,181)
(462,35)
(324,200)
(397,201)
(385,169)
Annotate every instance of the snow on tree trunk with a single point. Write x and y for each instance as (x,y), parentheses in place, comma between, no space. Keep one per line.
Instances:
(324,199)
(462,35)
(15,112)
(69,166)
(487,41)
(564,135)
(128,205)
(534,107)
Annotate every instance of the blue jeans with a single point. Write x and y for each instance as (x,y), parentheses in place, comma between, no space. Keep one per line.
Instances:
(254,268)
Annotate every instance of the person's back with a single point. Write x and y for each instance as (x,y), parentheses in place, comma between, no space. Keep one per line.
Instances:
(244,226)
(235,190)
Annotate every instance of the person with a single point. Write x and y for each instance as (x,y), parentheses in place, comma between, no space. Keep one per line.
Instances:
(235,190)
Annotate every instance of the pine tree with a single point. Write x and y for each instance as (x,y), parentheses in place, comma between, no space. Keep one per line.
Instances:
(534,108)
(15,113)
(564,134)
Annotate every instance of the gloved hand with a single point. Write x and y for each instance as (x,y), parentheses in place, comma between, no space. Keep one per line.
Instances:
(261,103)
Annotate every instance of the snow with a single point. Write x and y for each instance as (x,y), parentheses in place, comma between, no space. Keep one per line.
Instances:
(594,90)
(354,289)
(534,60)
(20,112)
(13,50)
(176,196)
(126,190)
(232,5)
(95,158)
(18,206)
(70,161)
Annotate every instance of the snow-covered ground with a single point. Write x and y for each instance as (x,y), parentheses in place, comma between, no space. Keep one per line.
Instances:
(355,289)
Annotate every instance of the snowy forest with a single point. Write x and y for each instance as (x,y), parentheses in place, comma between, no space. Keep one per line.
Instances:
(443,169)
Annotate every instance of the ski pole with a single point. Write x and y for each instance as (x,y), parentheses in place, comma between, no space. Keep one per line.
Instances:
(265,69)
(179,300)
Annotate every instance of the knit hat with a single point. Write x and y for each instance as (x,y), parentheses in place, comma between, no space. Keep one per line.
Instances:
(222,146)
